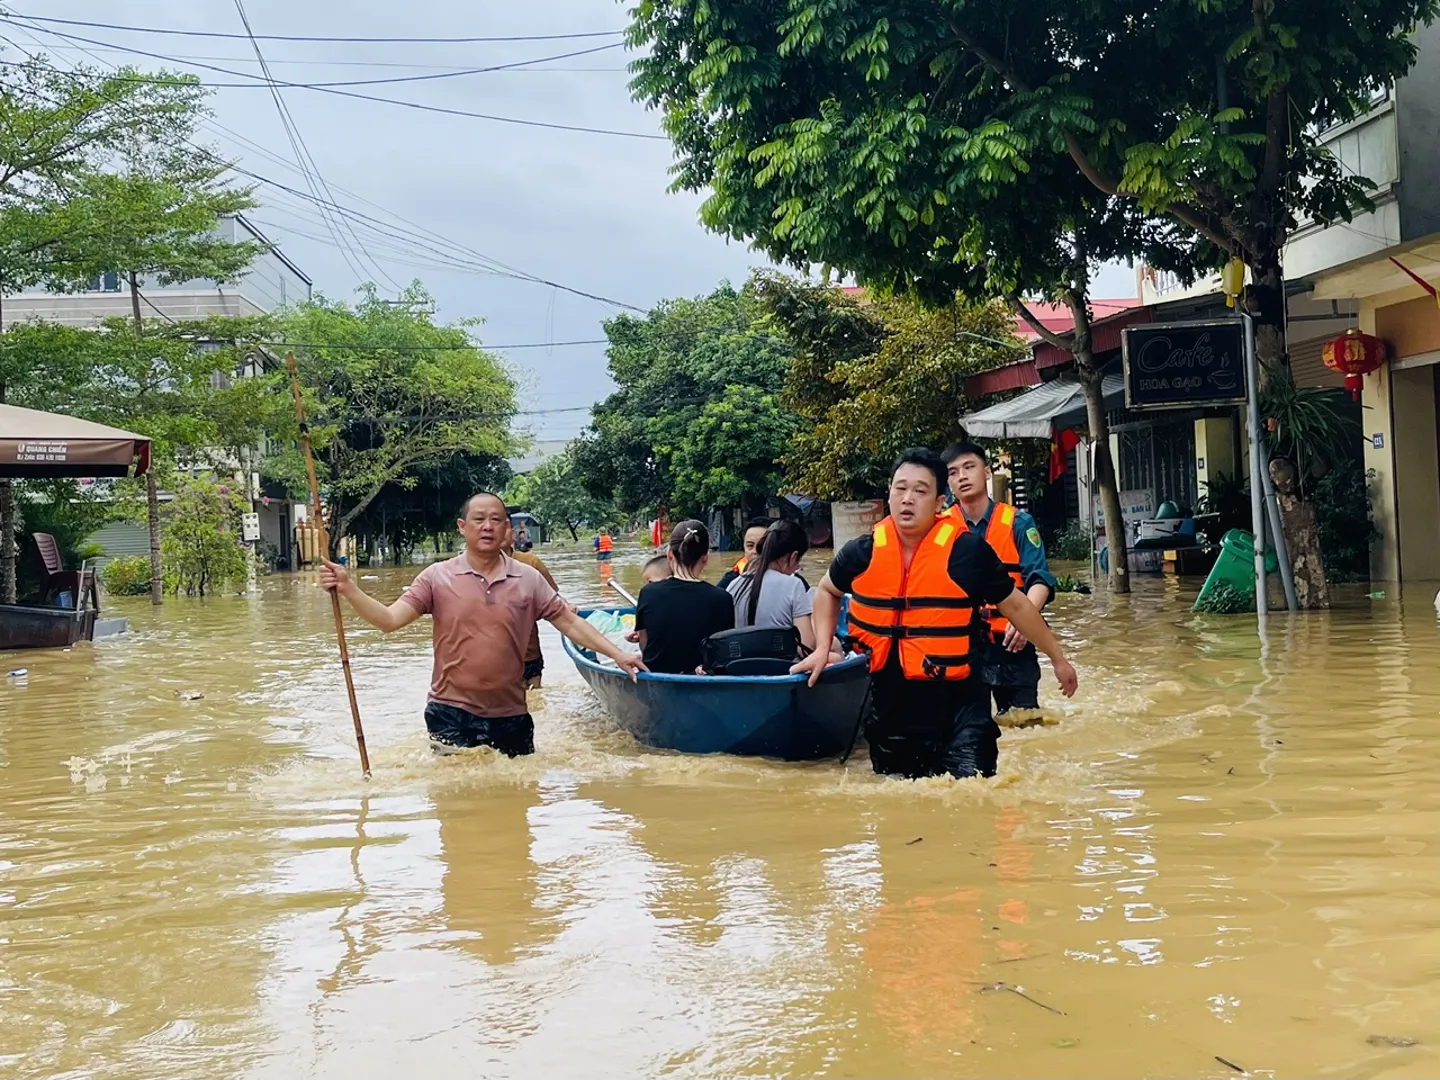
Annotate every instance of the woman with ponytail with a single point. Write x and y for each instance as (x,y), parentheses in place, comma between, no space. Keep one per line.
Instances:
(674,616)
(769,595)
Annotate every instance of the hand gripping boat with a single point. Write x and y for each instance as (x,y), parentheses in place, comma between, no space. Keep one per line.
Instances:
(775,716)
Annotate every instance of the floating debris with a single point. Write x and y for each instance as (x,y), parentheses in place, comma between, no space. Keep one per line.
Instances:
(1399,1042)
(1018,991)
(19,673)
(1231,1065)
(189,695)
(912,843)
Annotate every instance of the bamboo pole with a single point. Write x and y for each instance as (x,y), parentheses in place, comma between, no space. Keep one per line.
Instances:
(324,545)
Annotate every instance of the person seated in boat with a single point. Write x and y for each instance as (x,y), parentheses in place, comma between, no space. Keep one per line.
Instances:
(918,585)
(656,568)
(755,531)
(769,595)
(674,616)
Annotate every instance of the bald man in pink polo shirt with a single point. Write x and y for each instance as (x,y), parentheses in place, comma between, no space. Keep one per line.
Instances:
(484,605)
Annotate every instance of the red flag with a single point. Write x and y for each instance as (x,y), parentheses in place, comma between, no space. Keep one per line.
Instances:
(1060,447)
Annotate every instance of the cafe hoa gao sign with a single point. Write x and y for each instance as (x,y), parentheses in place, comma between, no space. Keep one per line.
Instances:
(1184,365)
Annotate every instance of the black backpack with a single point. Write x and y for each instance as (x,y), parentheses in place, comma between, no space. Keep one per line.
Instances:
(751,651)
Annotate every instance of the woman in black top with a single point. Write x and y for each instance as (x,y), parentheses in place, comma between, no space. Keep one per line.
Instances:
(673,617)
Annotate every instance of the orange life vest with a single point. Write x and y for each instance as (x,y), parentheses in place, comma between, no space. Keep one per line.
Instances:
(920,608)
(1000,535)
(606,544)
(739,567)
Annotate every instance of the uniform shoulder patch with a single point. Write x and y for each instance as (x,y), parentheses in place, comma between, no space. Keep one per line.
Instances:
(1033,535)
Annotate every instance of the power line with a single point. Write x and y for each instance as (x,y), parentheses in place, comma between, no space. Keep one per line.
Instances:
(321,62)
(293,37)
(260,83)
(303,156)
(416,105)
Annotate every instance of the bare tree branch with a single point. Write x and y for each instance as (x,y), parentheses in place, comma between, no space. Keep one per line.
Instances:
(1047,335)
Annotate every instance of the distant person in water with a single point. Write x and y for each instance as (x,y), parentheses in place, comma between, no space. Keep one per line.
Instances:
(604,545)
(484,605)
(675,615)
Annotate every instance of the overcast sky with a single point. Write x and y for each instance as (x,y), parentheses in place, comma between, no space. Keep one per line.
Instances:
(589,211)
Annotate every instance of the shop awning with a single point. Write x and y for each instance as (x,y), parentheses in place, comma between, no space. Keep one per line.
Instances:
(40,444)
(1041,411)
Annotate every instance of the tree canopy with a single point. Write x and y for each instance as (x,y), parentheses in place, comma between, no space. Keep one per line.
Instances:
(872,379)
(697,420)
(555,493)
(389,392)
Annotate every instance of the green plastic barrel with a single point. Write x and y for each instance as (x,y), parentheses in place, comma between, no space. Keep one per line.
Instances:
(1236,565)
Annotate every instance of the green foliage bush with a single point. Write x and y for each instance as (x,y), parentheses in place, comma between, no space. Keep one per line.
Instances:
(1342,504)
(1072,544)
(128,576)
(201,544)
(1226,600)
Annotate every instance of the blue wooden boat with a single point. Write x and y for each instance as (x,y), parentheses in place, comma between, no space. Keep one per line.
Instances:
(754,716)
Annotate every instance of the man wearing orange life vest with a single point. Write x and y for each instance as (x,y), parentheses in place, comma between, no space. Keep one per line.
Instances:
(917,585)
(1011,668)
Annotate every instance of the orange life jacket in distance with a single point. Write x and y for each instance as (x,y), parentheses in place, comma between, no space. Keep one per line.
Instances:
(1000,535)
(918,610)
(606,543)
(739,567)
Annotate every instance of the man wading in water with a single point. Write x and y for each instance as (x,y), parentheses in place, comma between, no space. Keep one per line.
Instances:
(484,605)
(916,585)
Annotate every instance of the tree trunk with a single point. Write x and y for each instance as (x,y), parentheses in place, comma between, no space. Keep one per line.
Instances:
(1298,517)
(574,536)
(152,509)
(1091,382)
(135,302)
(7,534)
(1302,530)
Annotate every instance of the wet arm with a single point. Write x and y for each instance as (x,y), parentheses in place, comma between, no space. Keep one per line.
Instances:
(586,636)
(389,619)
(826,612)
(1018,609)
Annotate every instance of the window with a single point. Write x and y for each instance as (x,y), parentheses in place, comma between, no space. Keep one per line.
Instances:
(106,282)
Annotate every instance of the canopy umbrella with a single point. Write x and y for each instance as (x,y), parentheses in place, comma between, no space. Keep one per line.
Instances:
(1042,410)
(36,444)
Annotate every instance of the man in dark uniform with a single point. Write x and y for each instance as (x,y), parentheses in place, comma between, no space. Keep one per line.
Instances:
(917,585)
(1011,666)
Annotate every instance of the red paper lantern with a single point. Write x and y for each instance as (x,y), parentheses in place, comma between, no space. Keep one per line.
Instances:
(1354,355)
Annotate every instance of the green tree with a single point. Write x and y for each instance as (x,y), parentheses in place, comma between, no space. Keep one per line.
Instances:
(57,130)
(697,420)
(906,390)
(939,147)
(158,221)
(389,392)
(555,494)
(202,546)
(424,504)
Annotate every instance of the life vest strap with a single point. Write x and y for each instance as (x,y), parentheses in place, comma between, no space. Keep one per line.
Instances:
(914,603)
(895,633)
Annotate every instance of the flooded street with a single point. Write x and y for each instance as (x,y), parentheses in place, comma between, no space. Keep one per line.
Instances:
(1218,853)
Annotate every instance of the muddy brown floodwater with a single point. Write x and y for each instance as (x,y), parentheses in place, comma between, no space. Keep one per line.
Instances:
(1222,852)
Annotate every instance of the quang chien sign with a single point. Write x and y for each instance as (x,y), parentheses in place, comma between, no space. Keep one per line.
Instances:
(1184,365)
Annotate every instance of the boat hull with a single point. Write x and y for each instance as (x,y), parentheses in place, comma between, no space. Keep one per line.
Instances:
(775,717)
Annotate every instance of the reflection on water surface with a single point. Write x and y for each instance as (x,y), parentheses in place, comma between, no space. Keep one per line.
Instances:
(1221,851)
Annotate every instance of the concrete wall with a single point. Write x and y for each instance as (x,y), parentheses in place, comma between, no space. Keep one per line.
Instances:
(1417,109)
(1399,407)
(1214,450)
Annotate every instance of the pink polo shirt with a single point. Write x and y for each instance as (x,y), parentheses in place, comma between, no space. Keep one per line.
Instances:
(481,631)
